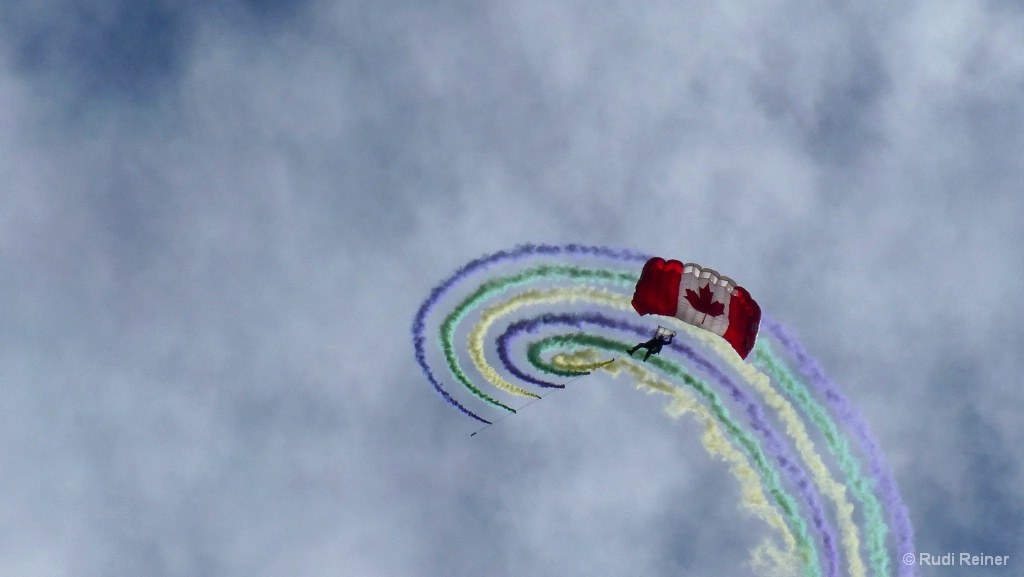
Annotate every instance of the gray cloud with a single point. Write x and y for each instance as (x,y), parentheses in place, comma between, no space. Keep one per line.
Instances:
(218,221)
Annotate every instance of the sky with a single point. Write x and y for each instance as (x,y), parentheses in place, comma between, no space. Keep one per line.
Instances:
(218,219)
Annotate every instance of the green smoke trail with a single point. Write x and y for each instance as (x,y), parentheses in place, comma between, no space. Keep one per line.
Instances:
(795,428)
(875,528)
(769,475)
(500,285)
(767,559)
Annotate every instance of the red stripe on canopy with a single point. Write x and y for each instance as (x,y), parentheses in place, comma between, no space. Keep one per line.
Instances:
(744,319)
(657,291)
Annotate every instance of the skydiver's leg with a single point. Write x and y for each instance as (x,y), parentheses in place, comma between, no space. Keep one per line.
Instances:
(634,349)
(647,355)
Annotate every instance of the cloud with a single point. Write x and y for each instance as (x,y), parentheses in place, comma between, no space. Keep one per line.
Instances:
(219,220)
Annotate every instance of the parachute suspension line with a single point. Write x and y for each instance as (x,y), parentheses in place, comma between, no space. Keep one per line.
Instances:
(539,397)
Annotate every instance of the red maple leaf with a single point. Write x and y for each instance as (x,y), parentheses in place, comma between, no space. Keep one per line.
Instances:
(705,303)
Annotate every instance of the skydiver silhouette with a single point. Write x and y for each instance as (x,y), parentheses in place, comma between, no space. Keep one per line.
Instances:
(653,346)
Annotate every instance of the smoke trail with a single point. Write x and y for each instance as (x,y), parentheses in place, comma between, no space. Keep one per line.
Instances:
(875,527)
(861,485)
(769,476)
(501,285)
(767,559)
(851,419)
(751,408)
(828,486)
(504,344)
(795,428)
(531,297)
(482,263)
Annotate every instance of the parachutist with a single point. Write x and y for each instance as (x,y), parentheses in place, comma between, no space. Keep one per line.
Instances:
(653,346)
(700,297)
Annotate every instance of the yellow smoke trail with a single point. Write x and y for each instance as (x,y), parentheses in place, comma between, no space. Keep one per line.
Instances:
(850,534)
(829,487)
(531,297)
(766,558)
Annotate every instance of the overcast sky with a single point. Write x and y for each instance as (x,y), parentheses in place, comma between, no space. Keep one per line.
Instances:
(218,219)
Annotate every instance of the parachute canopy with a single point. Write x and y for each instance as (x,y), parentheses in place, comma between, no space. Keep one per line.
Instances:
(700,297)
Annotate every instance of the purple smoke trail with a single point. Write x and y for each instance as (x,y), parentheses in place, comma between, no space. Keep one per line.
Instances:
(506,358)
(517,253)
(850,416)
(752,408)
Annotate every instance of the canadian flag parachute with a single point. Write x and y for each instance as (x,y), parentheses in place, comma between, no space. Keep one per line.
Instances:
(700,297)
